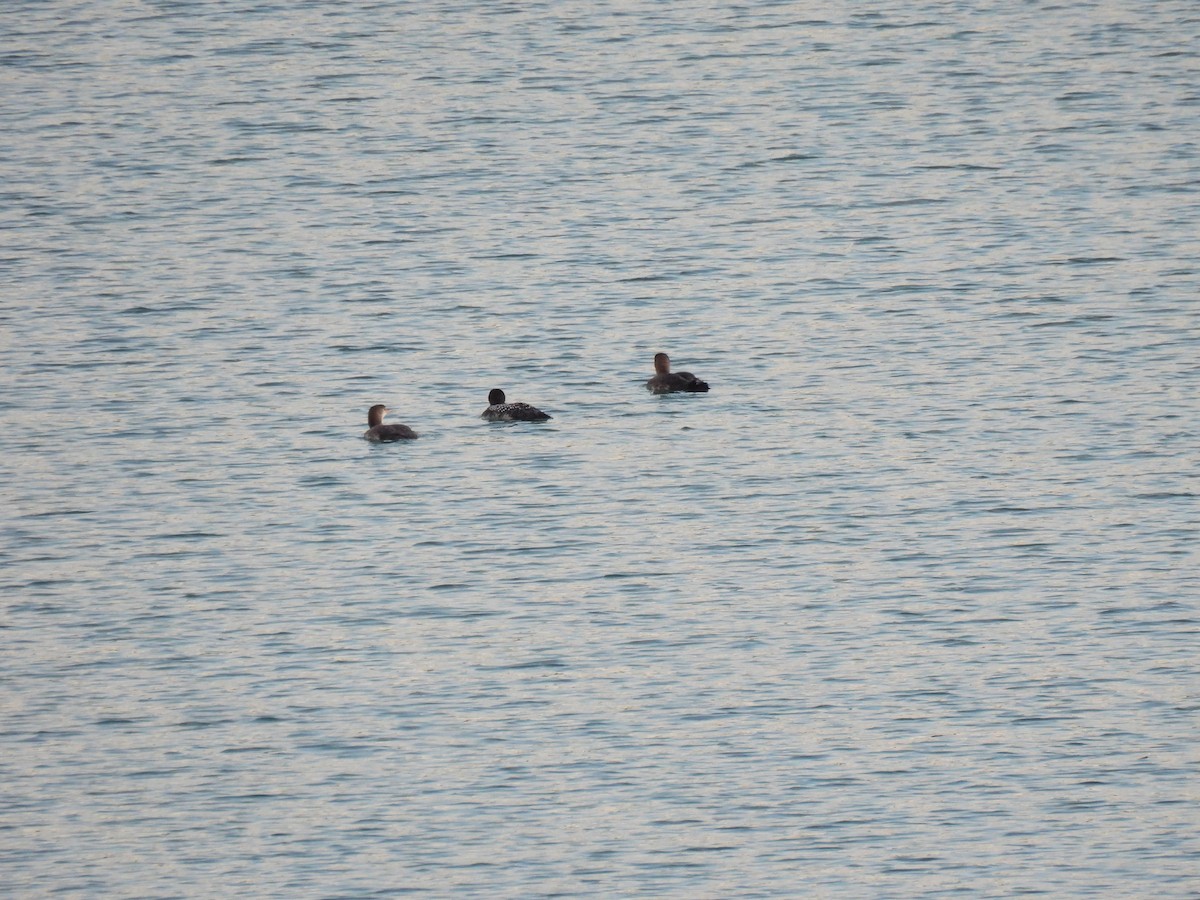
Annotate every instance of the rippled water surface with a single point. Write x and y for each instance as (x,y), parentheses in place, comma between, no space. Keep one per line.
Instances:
(906,605)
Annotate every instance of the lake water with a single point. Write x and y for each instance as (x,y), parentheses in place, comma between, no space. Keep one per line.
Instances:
(906,605)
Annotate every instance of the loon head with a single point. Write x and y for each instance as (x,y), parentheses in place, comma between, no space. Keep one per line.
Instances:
(375,415)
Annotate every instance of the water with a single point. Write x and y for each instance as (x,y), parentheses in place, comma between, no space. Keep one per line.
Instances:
(907,605)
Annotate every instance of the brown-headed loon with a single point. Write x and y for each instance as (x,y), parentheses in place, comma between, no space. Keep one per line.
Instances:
(667,382)
(380,432)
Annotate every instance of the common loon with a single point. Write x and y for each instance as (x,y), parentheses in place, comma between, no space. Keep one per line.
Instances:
(666,382)
(380,432)
(499,411)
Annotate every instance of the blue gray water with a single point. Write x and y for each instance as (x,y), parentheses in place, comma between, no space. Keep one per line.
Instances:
(906,605)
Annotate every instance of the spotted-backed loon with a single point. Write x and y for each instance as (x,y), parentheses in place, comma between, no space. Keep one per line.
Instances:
(499,411)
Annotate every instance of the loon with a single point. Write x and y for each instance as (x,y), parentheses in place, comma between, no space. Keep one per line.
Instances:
(380,432)
(666,382)
(499,411)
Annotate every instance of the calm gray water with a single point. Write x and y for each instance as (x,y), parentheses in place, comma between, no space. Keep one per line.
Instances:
(907,605)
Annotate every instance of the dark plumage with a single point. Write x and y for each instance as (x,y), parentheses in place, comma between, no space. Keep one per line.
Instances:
(380,432)
(499,411)
(667,382)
